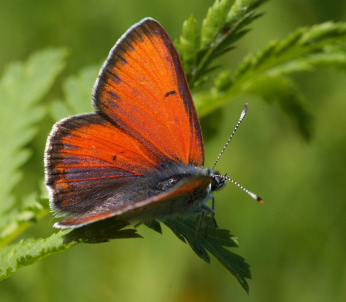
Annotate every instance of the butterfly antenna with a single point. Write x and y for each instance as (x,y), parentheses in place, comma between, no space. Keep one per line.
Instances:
(253,195)
(242,116)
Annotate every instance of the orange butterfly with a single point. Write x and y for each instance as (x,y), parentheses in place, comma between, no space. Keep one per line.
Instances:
(141,154)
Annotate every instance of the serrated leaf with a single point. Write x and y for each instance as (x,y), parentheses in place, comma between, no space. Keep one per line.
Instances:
(15,220)
(214,22)
(221,28)
(223,81)
(187,229)
(189,44)
(103,231)
(214,240)
(322,33)
(27,252)
(233,262)
(242,11)
(301,51)
(154,225)
(21,88)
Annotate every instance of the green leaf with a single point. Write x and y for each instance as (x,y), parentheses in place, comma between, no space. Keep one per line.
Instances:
(103,231)
(265,73)
(154,225)
(300,51)
(77,91)
(22,86)
(221,28)
(283,92)
(27,252)
(189,44)
(16,220)
(214,240)
(214,22)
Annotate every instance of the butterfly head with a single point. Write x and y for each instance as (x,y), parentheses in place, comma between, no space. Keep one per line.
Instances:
(218,180)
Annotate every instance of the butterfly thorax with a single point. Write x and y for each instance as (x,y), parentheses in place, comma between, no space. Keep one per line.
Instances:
(181,190)
(174,175)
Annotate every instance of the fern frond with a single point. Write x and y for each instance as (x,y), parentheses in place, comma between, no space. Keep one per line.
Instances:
(217,242)
(222,27)
(16,220)
(27,252)
(21,88)
(303,50)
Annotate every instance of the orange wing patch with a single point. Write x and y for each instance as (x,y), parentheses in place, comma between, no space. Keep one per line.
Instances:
(143,89)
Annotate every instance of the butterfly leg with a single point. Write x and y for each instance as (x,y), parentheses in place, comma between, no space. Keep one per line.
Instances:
(205,208)
(213,213)
(211,210)
(201,219)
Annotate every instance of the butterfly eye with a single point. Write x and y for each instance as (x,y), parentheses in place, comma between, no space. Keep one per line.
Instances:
(214,184)
(218,182)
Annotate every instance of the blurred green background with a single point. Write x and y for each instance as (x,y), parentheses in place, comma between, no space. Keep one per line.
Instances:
(295,242)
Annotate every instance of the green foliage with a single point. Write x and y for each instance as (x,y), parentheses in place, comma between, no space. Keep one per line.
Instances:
(214,240)
(101,231)
(76,89)
(265,74)
(222,27)
(16,220)
(27,252)
(21,88)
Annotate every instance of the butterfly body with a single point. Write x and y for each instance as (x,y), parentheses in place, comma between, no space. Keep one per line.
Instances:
(140,156)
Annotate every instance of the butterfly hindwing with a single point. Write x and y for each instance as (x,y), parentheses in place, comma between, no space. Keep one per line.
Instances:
(88,157)
(163,204)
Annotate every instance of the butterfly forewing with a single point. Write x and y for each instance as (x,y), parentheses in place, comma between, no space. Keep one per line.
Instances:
(143,89)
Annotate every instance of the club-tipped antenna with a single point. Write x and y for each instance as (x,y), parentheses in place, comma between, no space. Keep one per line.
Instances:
(242,116)
(253,195)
